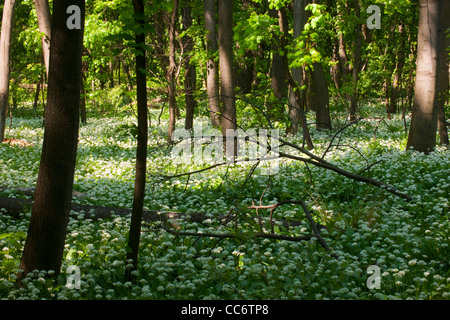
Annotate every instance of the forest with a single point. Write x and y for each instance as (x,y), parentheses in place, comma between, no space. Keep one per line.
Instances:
(224,150)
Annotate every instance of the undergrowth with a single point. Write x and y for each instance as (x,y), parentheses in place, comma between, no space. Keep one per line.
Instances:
(363,225)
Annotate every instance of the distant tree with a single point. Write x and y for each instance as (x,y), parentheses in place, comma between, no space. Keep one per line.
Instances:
(320,90)
(212,67)
(356,62)
(44,20)
(172,69)
(299,21)
(44,245)
(190,73)
(422,133)
(226,72)
(279,83)
(5,50)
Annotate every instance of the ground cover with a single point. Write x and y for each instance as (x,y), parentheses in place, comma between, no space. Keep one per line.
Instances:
(406,244)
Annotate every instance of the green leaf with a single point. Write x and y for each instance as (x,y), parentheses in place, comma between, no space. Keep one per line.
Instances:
(70,254)
(5,235)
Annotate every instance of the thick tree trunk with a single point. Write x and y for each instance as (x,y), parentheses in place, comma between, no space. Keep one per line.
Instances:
(422,133)
(190,77)
(141,152)
(44,245)
(44,21)
(5,50)
(212,68)
(228,118)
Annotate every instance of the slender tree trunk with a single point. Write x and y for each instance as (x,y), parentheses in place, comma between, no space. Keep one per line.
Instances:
(293,84)
(344,66)
(297,73)
(190,77)
(44,21)
(141,152)
(171,72)
(5,50)
(356,64)
(44,245)
(400,63)
(226,73)
(443,72)
(277,73)
(36,95)
(422,133)
(126,69)
(212,68)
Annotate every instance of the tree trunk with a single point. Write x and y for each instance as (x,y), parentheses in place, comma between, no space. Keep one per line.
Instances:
(422,133)
(141,152)
(279,62)
(294,85)
(5,50)
(190,75)
(356,64)
(83,113)
(395,88)
(44,245)
(443,72)
(36,95)
(171,72)
(44,21)
(297,73)
(212,69)
(226,73)
(320,88)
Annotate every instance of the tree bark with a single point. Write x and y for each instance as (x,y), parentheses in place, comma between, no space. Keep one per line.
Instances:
(279,61)
(297,73)
(356,63)
(190,77)
(422,133)
(141,152)
(212,68)
(443,71)
(5,50)
(44,245)
(171,72)
(44,21)
(394,90)
(320,88)
(294,85)
(228,118)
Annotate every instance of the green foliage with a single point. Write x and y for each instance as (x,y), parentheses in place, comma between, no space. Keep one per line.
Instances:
(253,31)
(364,226)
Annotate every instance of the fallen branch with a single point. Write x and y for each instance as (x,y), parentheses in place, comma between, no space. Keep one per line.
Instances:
(262,234)
(240,235)
(16,206)
(310,158)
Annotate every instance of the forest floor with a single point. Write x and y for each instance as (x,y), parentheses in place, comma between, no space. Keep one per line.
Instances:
(387,248)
